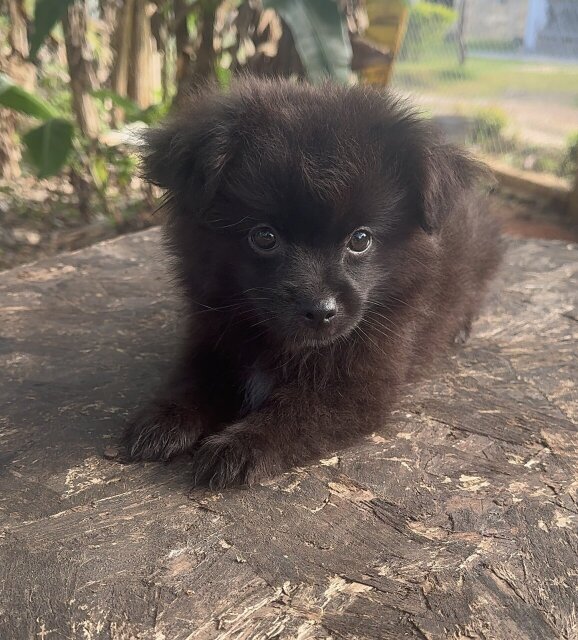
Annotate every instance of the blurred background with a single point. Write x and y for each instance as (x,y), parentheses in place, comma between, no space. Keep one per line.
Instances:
(80,79)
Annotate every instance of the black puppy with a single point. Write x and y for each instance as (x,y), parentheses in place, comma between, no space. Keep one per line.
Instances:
(329,244)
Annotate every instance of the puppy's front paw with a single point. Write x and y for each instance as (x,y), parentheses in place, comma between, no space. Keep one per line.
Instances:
(463,335)
(162,431)
(232,458)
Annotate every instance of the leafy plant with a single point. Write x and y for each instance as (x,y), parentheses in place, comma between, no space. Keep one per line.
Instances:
(48,145)
(320,34)
(47,13)
(16,98)
(109,167)
(488,125)
(569,164)
(428,24)
(132,112)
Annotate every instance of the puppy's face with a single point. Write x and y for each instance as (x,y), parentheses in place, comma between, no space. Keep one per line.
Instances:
(309,288)
(289,203)
(301,267)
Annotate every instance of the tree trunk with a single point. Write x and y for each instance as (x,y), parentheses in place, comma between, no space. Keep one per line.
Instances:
(194,67)
(122,47)
(80,68)
(18,30)
(24,74)
(275,52)
(184,49)
(109,16)
(205,62)
(135,74)
(573,200)
(140,78)
(460,33)
(160,33)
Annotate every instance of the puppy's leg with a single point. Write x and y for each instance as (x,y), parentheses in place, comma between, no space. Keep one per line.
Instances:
(163,430)
(172,423)
(463,334)
(296,425)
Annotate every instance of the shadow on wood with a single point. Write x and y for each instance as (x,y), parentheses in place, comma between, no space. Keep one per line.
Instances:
(458,520)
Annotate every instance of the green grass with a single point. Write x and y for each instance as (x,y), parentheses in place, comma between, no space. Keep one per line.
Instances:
(482,78)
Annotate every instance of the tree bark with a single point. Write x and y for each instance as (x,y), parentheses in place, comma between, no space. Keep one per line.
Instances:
(184,47)
(140,78)
(80,68)
(573,200)
(123,46)
(194,67)
(109,12)
(160,34)
(135,74)
(205,62)
(275,52)
(23,73)
(460,33)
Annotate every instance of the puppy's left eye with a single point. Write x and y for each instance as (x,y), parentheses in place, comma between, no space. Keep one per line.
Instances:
(263,239)
(359,241)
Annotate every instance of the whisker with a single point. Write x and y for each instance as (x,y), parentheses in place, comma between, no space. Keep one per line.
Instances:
(373,319)
(387,333)
(363,333)
(400,301)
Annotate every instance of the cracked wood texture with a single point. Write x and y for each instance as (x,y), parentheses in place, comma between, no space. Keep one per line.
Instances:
(457,520)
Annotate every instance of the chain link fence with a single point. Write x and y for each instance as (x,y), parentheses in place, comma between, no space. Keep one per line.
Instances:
(500,76)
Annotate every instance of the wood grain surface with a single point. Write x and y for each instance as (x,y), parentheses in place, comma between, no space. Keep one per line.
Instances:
(458,519)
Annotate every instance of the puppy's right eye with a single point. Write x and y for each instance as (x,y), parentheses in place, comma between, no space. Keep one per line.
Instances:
(359,241)
(263,239)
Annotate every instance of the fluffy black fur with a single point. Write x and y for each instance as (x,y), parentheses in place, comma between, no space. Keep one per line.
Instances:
(301,348)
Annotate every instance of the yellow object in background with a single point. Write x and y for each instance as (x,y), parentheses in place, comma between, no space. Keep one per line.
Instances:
(387,26)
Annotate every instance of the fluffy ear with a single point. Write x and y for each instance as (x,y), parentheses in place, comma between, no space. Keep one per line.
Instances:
(446,174)
(436,175)
(186,156)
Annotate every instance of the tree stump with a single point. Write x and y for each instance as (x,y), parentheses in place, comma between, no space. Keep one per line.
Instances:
(456,520)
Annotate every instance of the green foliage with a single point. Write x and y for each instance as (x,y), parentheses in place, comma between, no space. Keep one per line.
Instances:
(99,172)
(543,163)
(111,164)
(223,76)
(569,164)
(130,108)
(48,146)
(320,34)
(47,13)
(20,100)
(125,166)
(495,46)
(572,147)
(488,124)
(132,112)
(428,24)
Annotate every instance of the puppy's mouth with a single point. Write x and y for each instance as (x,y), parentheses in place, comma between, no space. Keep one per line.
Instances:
(318,339)
(315,343)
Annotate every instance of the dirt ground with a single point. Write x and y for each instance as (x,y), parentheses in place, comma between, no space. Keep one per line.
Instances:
(47,224)
(42,219)
(544,121)
(524,219)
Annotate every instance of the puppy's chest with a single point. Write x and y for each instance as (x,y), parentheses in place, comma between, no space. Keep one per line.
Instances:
(257,388)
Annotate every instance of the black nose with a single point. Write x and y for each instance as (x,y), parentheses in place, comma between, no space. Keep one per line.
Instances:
(320,313)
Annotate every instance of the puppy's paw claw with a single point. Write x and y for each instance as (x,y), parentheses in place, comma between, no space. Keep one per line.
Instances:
(463,335)
(225,460)
(161,432)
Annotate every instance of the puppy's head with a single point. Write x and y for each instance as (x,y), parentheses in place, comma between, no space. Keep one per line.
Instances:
(288,202)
